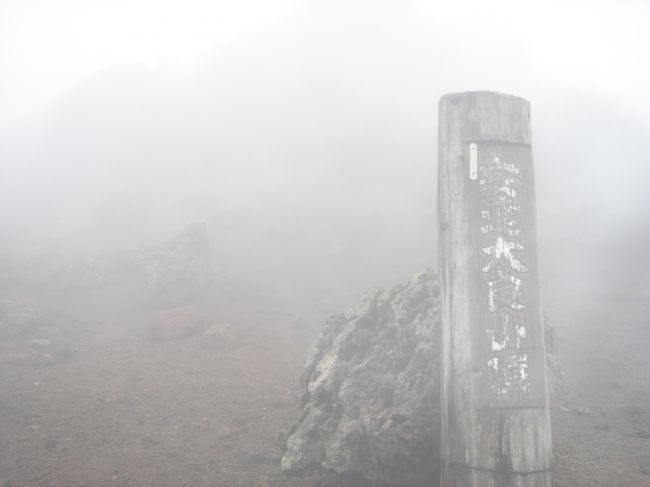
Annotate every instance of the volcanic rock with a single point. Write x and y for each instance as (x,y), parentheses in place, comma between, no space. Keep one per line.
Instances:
(371,403)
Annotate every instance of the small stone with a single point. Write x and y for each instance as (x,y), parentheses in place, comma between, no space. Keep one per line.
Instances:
(174,323)
(259,459)
(218,330)
(219,335)
(227,432)
(262,482)
(49,331)
(39,342)
(148,441)
(643,434)
(18,358)
(51,444)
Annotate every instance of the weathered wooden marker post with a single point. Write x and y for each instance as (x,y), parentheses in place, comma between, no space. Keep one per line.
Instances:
(495,419)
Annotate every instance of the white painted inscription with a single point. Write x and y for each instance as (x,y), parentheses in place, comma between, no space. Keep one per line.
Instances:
(504,272)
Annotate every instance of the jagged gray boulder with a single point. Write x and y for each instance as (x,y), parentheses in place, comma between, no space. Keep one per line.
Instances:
(371,404)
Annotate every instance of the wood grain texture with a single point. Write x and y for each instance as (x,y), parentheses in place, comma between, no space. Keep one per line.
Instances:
(495,417)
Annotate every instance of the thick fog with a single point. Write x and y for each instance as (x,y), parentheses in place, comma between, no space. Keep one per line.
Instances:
(303,135)
(309,124)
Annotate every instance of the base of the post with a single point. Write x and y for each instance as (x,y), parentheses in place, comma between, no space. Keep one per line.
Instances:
(465,476)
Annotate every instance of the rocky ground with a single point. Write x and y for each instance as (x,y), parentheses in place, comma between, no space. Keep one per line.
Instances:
(195,409)
(198,396)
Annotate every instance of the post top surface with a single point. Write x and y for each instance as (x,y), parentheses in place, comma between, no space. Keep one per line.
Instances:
(486,94)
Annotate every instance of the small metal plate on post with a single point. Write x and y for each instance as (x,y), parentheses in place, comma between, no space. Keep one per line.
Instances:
(473,161)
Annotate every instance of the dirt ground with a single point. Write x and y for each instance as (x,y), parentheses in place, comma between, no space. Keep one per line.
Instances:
(118,408)
(129,410)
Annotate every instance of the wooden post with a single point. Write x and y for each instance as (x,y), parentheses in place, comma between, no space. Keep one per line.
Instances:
(495,419)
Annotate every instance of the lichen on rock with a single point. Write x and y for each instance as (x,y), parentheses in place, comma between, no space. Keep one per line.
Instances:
(371,402)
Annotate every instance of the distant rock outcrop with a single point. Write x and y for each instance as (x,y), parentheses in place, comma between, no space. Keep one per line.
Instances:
(169,274)
(176,270)
(371,406)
